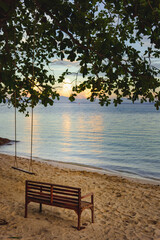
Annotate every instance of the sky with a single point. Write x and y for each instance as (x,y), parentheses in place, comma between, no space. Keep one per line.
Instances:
(57,67)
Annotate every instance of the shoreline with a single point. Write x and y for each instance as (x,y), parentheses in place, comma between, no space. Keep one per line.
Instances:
(84,167)
(124,209)
(88,168)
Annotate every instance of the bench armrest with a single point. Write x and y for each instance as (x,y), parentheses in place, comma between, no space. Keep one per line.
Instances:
(87,195)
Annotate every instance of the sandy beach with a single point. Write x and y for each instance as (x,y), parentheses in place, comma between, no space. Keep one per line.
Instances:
(124,209)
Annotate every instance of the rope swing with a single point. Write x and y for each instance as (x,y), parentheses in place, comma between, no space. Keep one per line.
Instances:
(30,167)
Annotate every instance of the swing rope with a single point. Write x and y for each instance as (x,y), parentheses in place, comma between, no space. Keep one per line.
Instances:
(15,131)
(33,76)
(30,162)
(30,171)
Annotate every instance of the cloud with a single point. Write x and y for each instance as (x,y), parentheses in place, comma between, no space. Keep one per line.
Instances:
(155,62)
(65,62)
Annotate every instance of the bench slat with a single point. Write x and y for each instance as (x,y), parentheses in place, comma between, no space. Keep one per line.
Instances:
(59,203)
(57,197)
(65,193)
(65,206)
(38,185)
(38,200)
(39,193)
(54,191)
(67,187)
(47,189)
(64,190)
(29,182)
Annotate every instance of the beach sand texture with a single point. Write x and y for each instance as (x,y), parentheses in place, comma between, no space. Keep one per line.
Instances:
(123,209)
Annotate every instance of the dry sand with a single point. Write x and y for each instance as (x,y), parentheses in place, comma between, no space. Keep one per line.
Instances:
(123,209)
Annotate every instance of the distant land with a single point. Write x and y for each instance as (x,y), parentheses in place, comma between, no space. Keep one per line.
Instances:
(96,101)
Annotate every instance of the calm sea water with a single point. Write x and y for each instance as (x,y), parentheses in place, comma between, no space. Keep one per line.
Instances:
(125,139)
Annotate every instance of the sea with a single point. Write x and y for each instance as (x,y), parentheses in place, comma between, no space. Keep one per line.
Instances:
(123,140)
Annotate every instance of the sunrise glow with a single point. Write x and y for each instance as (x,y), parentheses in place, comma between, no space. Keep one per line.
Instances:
(67,88)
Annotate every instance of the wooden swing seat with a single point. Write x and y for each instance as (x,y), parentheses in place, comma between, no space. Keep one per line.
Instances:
(22,170)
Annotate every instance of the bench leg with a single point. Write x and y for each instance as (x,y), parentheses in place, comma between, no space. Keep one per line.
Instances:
(26,206)
(92,208)
(40,207)
(92,213)
(79,220)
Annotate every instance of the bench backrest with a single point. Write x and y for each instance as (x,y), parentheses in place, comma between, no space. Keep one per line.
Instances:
(53,194)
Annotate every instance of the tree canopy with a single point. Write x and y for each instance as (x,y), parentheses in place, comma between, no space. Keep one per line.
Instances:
(101,35)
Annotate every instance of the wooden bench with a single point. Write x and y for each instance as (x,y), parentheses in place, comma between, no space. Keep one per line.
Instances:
(58,196)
